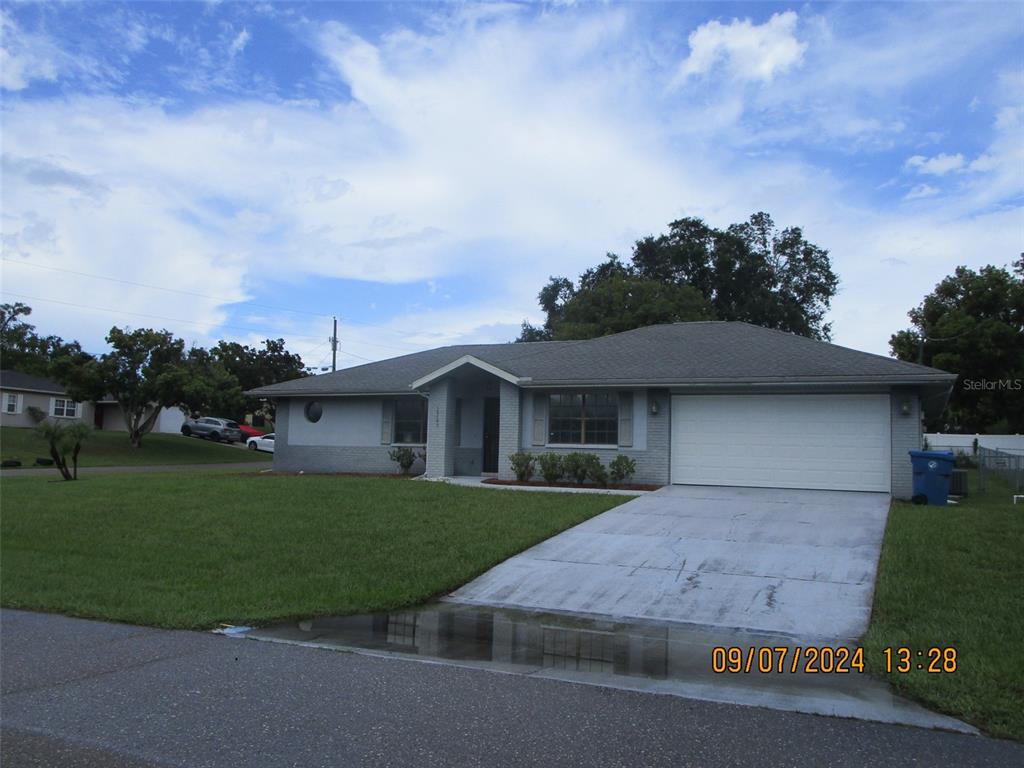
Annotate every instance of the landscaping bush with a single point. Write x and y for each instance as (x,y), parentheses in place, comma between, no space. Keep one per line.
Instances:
(596,470)
(523,465)
(621,468)
(574,465)
(550,466)
(404,457)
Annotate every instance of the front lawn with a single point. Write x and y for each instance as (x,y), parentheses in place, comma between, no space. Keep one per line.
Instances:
(954,576)
(112,449)
(179,550)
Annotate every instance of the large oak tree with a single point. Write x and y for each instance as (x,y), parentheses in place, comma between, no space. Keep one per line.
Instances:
(750,271)
(972,324)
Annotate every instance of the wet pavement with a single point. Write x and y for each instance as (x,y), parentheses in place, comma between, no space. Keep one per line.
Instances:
(87,693)
(762,559)
(664,658)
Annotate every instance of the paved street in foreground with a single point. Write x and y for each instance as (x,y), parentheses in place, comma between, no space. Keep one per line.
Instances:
(83,693)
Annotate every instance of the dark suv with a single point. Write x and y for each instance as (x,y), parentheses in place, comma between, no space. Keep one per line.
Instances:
(214,429)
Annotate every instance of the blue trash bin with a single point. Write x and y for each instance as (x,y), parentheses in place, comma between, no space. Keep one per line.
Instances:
(932,473)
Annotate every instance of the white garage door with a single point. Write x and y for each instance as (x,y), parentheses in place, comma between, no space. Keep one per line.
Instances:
(837,442)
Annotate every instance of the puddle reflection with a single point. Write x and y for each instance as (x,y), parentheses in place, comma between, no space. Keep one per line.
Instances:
(523,640)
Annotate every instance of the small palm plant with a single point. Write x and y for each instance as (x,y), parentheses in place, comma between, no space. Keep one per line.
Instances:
(64,440)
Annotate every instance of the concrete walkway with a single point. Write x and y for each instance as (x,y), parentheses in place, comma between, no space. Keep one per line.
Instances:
(796,562)
(53,474)
(85,693)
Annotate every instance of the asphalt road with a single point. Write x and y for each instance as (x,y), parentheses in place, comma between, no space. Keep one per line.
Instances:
(141,469)
(82,693)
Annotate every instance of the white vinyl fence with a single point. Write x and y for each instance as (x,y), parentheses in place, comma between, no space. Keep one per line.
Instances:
(1013,444)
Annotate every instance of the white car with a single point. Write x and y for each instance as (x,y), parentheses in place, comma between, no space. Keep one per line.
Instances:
(263,443)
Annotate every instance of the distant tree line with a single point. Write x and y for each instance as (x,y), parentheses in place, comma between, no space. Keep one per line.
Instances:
(147,370)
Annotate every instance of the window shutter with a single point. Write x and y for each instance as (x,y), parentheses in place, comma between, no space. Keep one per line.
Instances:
(458,422)
(387,421)
(626,419)
(540,419)
(18,406)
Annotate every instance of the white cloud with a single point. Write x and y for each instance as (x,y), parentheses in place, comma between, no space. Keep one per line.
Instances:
(25,58)
(920,191)
(939,165)
(238,43)
(754,52)
(505,145)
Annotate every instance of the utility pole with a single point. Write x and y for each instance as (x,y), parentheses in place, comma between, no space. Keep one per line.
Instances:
(334,346)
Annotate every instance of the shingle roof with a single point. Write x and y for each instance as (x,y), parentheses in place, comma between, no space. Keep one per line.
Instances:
(29,383)
(674,354)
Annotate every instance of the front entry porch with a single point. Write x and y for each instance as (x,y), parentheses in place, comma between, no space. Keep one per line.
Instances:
(473,424)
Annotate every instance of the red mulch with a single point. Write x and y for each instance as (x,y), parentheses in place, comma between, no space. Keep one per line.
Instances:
(273,473)
(542,484)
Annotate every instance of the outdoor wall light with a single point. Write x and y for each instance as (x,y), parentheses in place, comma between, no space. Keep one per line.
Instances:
(654,407)
(905,407)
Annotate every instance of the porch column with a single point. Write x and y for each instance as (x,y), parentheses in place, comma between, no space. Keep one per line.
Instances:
(441,429)
(508,428)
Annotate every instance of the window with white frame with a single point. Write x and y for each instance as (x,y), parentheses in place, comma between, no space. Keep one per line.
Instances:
(65,408)
(10,403)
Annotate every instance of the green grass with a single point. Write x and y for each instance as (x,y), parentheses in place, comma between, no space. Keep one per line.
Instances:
(954,576)
(112,449)
(179,550)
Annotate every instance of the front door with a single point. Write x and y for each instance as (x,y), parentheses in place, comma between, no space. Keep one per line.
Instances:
(491,424)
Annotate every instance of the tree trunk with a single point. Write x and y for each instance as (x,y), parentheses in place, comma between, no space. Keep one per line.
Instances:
(74,458)
(62,466)
(138,426)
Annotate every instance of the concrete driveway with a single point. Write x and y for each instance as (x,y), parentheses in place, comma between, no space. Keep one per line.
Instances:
(797,562)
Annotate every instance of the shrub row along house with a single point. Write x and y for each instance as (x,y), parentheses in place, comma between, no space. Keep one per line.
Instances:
(26,399)
(718,403)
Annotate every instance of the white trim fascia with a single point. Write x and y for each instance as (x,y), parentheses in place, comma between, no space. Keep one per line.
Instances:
(468,360)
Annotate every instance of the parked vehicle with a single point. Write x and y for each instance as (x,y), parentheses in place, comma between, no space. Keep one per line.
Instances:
(262,443)
(251,431)
(213,429)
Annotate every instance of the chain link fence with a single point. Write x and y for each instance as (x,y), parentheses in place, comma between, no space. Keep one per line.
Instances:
(1008,466)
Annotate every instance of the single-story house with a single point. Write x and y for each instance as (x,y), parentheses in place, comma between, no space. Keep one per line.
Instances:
(21,391)
(716,403)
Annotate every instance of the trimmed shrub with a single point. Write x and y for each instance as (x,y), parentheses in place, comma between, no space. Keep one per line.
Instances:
(575,465)
(404,457)
(621,468)
(550,466)
(595,469)
(522,464)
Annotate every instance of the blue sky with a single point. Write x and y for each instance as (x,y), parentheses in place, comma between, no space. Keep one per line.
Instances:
(420,170)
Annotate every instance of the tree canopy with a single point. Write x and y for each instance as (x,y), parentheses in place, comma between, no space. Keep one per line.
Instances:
(972,324)
(22,349)
(750,271)
(147,370)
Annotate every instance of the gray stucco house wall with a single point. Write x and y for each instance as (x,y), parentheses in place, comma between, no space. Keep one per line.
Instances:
(646,372)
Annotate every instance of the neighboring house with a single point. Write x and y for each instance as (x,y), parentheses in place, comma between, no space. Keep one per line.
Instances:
(21,391)
(706,403)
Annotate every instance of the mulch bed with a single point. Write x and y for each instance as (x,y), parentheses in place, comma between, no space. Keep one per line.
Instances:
(593,486)
(275,473)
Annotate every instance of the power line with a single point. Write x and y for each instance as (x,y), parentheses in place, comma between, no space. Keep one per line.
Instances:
(248,329)
(222,299)
(157,317)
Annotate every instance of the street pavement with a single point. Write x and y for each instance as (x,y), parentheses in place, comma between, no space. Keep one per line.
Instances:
(52,474)
(85,693)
